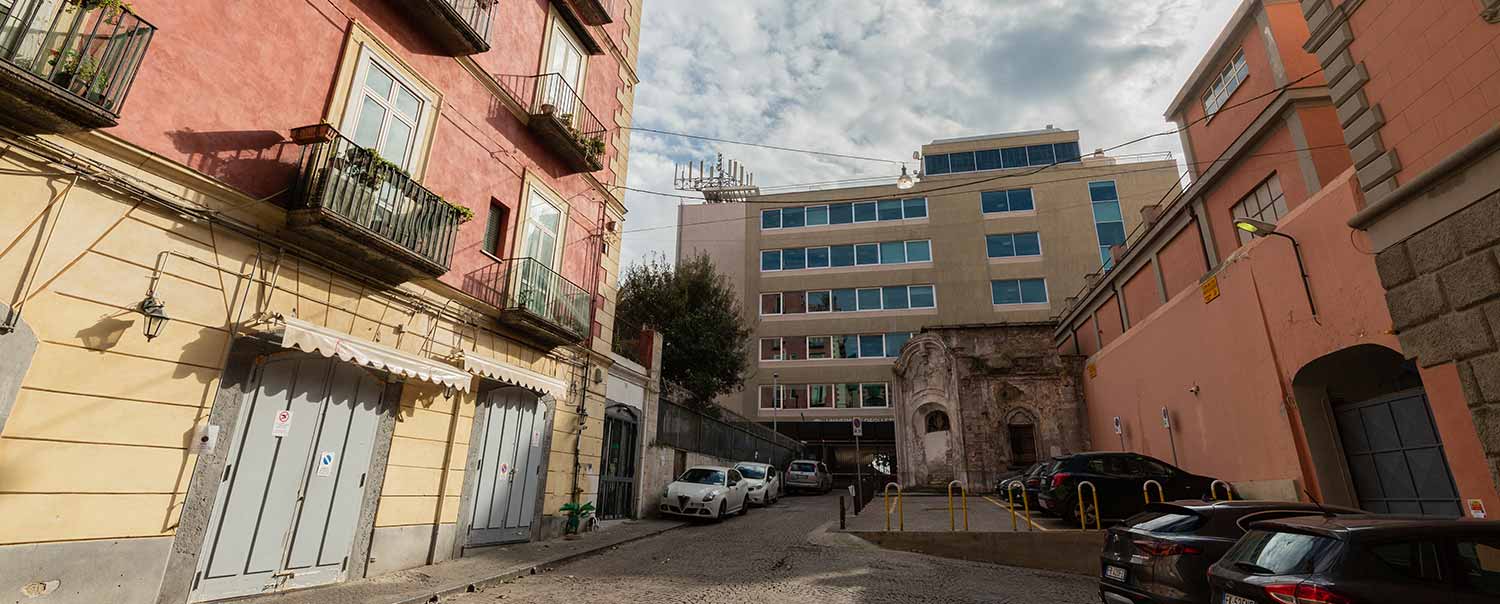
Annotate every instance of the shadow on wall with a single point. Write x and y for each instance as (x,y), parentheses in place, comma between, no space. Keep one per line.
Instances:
(258,162)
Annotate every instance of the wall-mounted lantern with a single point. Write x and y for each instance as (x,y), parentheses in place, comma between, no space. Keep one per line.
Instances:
(156,316)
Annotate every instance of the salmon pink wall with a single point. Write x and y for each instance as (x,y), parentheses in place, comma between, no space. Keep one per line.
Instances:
(1142,296)
(1274,153)
(1434,70)
(1181,260)
(1088,341)
(1325,139)
(1108,317)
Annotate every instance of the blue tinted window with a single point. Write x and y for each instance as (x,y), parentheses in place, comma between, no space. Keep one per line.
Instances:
(869,299)
(1020,200)
(1103,191)
(1039,155)
(849,347)
(893,298)
(1013,157)
(792,217)
(921,296)
(819,301)
(844,300)
(1027,244)
(865,212)
(770,260)
(867,253)
(817,257)
(817,215)
(841,255)
(770,219)
(1107,211)
(793,259)
(919,251)
(872,346)
(1033,291)
(993,201)
(1111,233)
(915,208)
(894,342)
(1066,152)
(840,213)
(961,162)
(1000,246)
(988,159)
(890,209)
(893,252)
(1005,292)
(937,164)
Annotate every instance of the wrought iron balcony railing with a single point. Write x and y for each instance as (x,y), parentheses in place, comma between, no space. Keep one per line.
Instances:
(460,27)
(368,207)
(559,118)
(594,12)
(67,65)
(534,298)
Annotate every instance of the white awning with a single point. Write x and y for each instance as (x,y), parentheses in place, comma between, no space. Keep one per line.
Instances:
(517,376)
(311,338)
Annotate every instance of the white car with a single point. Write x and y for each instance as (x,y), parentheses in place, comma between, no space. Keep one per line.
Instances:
(764,480)
(706,492)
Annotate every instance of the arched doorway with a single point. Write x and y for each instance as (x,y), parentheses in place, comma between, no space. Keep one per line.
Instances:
(937,444)
(1371,434)
(1020,430)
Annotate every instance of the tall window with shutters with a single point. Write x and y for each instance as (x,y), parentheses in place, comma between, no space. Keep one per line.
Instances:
(494,230)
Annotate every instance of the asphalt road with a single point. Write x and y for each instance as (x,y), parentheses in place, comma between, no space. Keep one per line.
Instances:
(781,554)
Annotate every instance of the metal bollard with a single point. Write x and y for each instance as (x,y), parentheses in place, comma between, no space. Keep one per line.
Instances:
(1213,490)
(964,491)
(1160,493)
(1083,518)
(1010,502)
(843,524)
(900,509)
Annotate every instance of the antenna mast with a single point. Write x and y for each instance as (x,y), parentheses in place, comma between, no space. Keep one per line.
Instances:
(719,182)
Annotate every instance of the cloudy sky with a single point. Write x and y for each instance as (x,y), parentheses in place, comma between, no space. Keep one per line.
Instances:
(879,78)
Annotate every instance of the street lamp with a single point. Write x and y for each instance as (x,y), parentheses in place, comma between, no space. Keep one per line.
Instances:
(156,316)
(1261,228)
(905,181)
(775,400)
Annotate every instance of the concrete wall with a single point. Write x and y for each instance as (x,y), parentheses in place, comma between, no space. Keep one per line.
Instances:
(1075,552)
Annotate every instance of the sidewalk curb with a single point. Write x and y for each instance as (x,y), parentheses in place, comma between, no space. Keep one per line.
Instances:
(516,572)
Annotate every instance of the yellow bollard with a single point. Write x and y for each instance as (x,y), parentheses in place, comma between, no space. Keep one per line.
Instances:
(900,509)
(964,491)
(1213,490)
(1025,504)
(1146,490)
(1083,518)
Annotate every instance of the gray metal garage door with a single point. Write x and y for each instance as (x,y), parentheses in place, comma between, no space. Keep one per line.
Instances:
(287,508)
(508,474)
(1396,457)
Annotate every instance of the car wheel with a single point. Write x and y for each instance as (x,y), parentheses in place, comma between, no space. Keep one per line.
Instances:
(745,506)
(723,509)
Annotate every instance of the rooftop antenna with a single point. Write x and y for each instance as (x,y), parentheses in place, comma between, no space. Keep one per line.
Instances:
(719,181)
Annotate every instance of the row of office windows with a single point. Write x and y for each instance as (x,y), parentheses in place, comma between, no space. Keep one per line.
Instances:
(861,346)
(1109,223)
(859,254)
(844,213)
(866,395)
(897,297)
(1018,291)
(996,159)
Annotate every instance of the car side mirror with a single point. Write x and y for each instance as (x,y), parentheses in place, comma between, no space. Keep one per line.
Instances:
(732,483)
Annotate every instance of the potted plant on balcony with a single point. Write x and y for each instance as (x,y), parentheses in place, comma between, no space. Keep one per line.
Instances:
(112,8)
(73,67)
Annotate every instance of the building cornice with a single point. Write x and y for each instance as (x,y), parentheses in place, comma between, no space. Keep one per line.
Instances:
(1243,17)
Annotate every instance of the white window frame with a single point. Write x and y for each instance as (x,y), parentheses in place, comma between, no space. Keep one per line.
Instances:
(830,301)
(778,397)
(885,386)
(1227,82)
(828,400)
(559,26)
(931,255)
(780,304)
(860,307)
(934,297)
(1039,250)
(355,104)
(1046,291)
(1238,209)
(856,219)
(810,357)
(763,213)
(761,259)
(780,349)
(825,215)
(534,191)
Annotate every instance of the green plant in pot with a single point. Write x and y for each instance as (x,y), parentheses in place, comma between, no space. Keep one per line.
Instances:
(72,67)
(576,515)
(112,8)
(370,168)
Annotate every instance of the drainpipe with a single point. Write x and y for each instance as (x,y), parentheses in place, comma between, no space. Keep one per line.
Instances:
(583,398)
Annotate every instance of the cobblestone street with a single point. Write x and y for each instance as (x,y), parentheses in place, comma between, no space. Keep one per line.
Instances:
(782,554)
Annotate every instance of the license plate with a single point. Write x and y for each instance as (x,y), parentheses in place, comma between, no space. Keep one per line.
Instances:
(1118,574)
(1233,599)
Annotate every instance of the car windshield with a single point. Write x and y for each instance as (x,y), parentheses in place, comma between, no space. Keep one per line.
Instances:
(702,476)
(752,472)
(803,466)
(1274,553)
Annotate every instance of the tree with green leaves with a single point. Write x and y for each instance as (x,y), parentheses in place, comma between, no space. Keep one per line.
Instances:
(705,337)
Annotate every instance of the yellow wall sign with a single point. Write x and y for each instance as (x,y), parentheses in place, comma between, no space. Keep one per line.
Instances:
(1210,289)
(1093,370)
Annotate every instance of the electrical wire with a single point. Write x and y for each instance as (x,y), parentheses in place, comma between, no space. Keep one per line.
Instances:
(760,145)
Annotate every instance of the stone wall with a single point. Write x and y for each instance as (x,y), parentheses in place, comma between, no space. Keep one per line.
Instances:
(1443,289)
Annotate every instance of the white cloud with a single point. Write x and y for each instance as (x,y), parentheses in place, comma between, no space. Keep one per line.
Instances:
(881,77)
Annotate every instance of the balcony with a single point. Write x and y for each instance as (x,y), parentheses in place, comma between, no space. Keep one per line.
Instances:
(355,205)
(460,27)
(593,12)
(533,299)
(67,65)
(559,119)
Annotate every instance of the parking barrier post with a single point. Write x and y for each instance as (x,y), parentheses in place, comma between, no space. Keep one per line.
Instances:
(1213,490)
(843,523)
(1025,504)
(964,492)
(1160,493)
(1083,518)
(900,509)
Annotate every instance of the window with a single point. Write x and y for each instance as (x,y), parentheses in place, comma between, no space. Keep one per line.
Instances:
(770,260)
(988,159)
(817,257)
(819,396)
(1224,86)
(770,304)
(1018,291)
(845,300)
(767,401)
(867,253)
(1067,152)
(922,296)
(848,347)
(869,299)
(841,213)
(1010,245)
(543,224)
(1014,200)
(1109,224)
(919,251)
(890,209)
(1014,157)
(794,303)
(1040,155)
(841,255)
(770,219)
(819,301)
(1266,202)
(793,217)
(1411,559)
(874,395)
(817,216)
(494,230)
(385,113)
(866,212)
(846,396)
(936,164)
(793,259)
(794,397)
(794,349)
(894,342)
(819,347)
(915,208)
(894,298)
(893,252)
(566,58)
(1479,565)
(770,349)
(937,421)
(871,346)
(961,162)
(1008,157)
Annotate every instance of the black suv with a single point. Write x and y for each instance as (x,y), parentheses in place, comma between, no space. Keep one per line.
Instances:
(1359,559)
(1119,478)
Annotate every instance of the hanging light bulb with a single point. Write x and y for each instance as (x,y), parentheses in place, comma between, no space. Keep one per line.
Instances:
(905,181)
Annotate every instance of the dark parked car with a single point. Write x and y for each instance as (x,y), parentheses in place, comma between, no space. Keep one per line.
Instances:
(1161,554)
(1361,559)
(1118,477)
(1031,480)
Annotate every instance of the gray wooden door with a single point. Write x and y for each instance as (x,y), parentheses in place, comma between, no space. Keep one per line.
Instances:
(1396,457)
(508,475)
(288,505)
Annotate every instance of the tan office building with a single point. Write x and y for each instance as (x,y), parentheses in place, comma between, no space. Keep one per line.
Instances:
(1000,228)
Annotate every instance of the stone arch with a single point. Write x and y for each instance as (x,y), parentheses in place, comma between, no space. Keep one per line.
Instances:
(937,421)
(1021,429)
(927,382)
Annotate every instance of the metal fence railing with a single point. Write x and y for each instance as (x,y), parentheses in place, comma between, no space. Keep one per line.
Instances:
(89,49)
(728,436)
(528,285)
(549,96)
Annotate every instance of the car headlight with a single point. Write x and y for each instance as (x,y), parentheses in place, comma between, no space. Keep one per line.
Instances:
(710,496)
(758,487)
